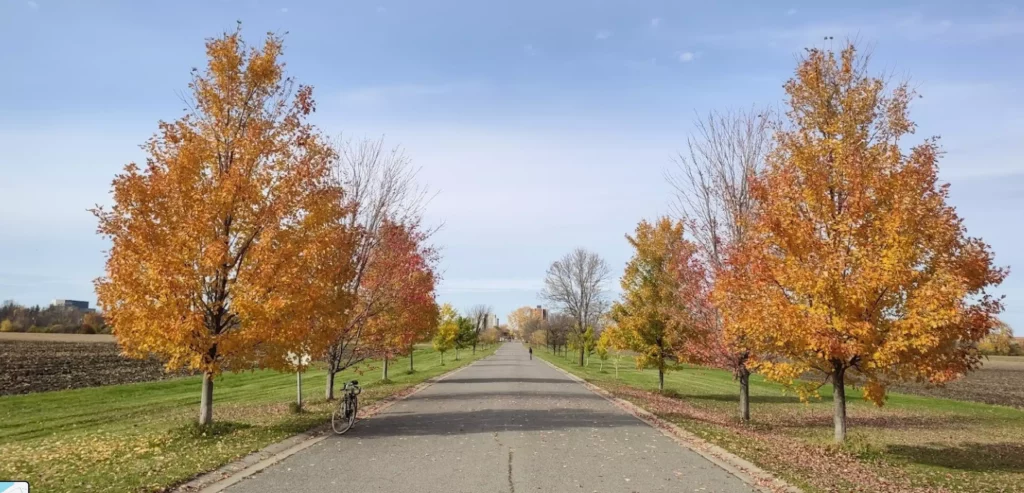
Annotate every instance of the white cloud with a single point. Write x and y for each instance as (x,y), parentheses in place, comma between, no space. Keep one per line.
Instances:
(603,34)
(284,10)
(687,56)
(655,22)
(33,4)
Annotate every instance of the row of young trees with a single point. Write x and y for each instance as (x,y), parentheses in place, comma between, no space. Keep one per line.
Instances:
(813,243)
(248,239)
(459,332)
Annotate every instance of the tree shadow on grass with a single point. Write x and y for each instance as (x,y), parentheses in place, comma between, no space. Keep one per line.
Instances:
(880,420)
(979,457)
(754,399)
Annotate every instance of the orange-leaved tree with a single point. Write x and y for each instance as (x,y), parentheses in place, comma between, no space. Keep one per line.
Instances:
(402,279)
(657,311)
(214,239)
(856,265)
(524,321)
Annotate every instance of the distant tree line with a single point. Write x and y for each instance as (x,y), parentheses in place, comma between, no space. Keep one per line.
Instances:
(56,319)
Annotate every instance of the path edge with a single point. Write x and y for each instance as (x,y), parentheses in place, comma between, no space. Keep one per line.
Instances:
(234,472)
(743,469)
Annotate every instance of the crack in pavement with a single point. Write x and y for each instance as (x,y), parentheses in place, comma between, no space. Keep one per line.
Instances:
(511,486)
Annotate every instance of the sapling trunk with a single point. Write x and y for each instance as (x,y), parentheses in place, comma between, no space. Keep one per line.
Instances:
(744,394)
(206,400)
(329,390)
(839,401)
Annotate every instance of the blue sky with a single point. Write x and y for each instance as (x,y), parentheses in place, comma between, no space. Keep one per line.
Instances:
(542,125)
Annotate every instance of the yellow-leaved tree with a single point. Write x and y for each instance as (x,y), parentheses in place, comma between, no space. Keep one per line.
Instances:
(856,265)
(655,311)
(447,330)
(225,243)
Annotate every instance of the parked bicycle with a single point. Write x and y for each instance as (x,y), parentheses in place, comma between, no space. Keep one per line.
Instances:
(345,416)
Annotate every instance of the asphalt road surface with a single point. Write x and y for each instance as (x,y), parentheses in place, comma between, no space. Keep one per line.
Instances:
(504,424)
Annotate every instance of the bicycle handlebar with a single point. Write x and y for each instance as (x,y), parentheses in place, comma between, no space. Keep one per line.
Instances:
(353,385)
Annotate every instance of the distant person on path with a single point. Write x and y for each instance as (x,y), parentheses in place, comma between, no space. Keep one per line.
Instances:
(531,352)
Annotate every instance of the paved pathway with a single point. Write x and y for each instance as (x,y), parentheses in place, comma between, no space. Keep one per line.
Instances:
(504,424)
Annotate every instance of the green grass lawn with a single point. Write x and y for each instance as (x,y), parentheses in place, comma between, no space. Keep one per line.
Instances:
(139,437)
(913,443)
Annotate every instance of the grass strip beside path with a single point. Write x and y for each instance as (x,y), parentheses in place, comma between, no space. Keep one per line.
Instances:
(141,437)
(912,444)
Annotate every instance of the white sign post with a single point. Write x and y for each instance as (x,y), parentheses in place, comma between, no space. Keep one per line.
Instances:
(299,362)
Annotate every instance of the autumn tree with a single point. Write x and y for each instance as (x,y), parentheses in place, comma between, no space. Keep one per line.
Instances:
(654,309)
(215,241)
(713,196)
(421,321)
(856,265)
(612,342)
(447,330)
(490,336)
(1000,341)
(384,204)
(588,341)
(524,321)
(575,283)
(538,338)
(401,280)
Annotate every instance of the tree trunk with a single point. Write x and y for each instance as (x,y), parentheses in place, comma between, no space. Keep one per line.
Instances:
(661,379)
(456,354)
(839,400)
(329,391)
(474,348)
(442,358)
(206,400)
(298,389)
(411,368)
(385,374)
(582,352)
(744,394)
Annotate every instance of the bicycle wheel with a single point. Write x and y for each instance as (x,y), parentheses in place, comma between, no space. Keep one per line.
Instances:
(344,416)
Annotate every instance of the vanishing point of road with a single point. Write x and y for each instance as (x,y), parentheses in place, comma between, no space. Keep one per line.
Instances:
(503,424)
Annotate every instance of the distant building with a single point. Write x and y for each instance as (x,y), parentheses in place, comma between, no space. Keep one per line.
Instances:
(80,305)
(540,312)
(491,321)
